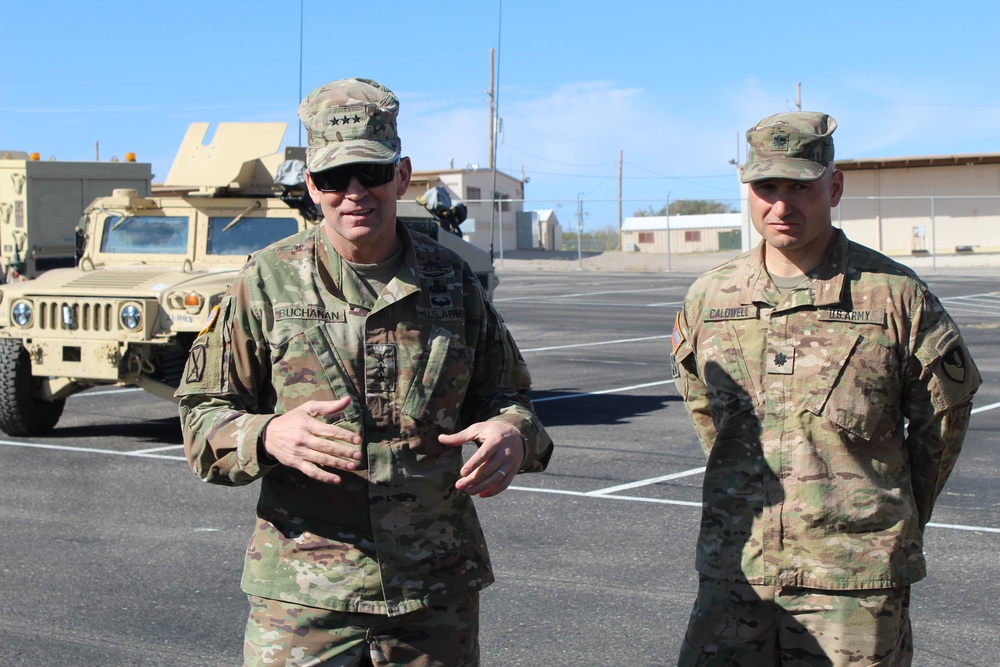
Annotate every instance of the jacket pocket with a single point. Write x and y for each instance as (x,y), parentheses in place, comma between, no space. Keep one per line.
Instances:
(730,388)
(853,384)
(308,368)
(437,389)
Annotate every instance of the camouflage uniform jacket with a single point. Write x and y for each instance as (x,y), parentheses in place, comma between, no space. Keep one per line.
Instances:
(799,402)
(429,356)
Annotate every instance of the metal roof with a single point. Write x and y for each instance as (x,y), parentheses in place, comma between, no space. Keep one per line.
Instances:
(918,161)
(705,221)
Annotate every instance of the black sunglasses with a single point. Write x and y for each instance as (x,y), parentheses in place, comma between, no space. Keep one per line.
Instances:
(369,175)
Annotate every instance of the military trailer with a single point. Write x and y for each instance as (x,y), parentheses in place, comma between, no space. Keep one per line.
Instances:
(152,268)
(41,202)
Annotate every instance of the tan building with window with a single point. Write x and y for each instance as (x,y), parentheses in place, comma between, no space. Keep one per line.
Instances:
(681,233)
(473,186)
(947,205)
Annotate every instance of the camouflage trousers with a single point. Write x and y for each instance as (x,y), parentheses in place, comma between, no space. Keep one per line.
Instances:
(288,635)
(741,624)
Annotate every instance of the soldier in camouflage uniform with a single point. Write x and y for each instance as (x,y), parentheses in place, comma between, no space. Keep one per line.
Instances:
(345,368)
(831,392)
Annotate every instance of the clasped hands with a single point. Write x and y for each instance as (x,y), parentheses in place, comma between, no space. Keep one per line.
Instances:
(303,440)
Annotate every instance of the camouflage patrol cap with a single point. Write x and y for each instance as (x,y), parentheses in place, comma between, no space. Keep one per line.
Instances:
(348,121)
(796,145)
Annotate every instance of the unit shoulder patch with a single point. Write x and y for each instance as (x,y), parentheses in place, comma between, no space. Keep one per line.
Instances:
(954,364)
(213,316)
(677,336)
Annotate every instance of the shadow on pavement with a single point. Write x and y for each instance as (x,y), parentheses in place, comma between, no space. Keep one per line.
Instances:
(586,409)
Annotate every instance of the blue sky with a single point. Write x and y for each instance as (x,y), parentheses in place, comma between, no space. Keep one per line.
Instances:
(673,85)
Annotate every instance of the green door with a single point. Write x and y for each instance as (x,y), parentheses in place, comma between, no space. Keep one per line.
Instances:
(730,240)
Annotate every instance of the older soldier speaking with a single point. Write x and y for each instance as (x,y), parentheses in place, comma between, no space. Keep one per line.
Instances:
(329,374)
(831,392)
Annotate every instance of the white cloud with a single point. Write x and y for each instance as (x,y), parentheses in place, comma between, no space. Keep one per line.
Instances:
(568,140)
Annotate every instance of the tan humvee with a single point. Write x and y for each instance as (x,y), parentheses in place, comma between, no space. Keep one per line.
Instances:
(151,270)
(40,205)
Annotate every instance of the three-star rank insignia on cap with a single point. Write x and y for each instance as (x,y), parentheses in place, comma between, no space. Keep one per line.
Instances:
(954,365)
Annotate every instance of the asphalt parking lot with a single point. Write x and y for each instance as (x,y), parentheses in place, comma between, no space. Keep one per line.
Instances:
(113,553)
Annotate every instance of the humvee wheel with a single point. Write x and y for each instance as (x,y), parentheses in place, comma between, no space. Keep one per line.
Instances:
(20,412)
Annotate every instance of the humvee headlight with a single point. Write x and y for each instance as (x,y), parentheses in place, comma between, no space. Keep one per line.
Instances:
(193,302)
(131,317)
(21,313)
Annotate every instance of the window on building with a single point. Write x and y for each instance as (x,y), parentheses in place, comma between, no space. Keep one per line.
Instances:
(692,236)
(504,201)
(473,193)
(645,237)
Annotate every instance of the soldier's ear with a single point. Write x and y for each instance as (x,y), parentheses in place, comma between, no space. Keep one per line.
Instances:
(404,173)
(836,187)
(314,193)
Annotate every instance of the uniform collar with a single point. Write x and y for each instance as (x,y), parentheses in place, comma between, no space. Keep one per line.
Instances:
(826,284)
(342,280)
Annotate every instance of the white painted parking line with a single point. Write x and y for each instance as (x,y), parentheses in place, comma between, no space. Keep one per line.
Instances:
(602,391)
(157,449)
(992,406)
(983,305)
(553,297)
(598,304)
(616,341)
(646,482)
(105,392)
(688,503)
(601,493)
(988,296)
(561,492)
(90,450)
(975,529)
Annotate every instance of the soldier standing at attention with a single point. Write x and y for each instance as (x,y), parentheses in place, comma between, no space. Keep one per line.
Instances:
(345,368)
(831,392)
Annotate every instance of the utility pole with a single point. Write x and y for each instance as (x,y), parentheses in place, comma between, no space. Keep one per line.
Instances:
(301,30)
(492,108)
(620,155)
(668,232)
(798,96)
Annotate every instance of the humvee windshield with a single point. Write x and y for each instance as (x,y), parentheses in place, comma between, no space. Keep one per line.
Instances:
(168,235)
(247,235)
(150,234)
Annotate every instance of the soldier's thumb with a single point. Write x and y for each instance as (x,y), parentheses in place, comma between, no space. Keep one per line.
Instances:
(326,408)
(457,439)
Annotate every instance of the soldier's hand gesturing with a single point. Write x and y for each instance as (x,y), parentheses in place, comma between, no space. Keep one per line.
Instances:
(302,439)
(499,456)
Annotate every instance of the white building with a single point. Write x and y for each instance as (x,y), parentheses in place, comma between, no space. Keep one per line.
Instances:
(539,230)
(947,204)
(663,234)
